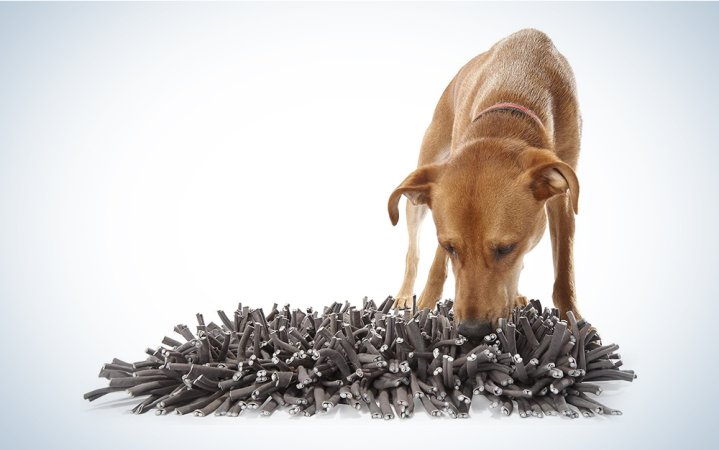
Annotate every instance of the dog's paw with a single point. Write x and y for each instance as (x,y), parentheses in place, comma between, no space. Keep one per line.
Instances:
(521,301)
(424,302)
(563,314)
(402,301)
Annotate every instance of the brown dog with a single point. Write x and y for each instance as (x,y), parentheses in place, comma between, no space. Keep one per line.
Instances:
(502,145)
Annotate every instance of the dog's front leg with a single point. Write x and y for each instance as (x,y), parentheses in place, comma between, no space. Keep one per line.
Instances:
(561,232)
(432,291)
(415,214)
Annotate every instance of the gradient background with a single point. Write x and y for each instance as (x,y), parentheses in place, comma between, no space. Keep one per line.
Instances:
(167,159)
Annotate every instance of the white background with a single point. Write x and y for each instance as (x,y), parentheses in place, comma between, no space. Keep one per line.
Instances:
(162,160)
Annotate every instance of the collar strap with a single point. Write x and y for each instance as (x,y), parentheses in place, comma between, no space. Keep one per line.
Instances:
(507,106)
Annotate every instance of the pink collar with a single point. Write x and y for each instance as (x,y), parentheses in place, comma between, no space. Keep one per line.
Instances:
(511,106)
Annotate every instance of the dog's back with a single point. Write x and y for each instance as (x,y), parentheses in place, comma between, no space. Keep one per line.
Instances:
(525,68)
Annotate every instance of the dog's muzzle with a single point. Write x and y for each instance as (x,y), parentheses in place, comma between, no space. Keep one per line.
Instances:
(474,329)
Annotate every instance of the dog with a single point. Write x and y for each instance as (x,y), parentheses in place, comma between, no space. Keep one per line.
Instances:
(497,162)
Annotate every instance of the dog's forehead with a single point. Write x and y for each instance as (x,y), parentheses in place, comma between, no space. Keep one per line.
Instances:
(490,201)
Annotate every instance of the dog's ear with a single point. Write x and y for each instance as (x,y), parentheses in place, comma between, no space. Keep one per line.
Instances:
(416,187)
(553,178)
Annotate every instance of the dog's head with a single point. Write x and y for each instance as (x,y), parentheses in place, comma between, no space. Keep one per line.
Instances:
(487,203)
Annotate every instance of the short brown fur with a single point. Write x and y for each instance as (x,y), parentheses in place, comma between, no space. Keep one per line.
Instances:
(493,182)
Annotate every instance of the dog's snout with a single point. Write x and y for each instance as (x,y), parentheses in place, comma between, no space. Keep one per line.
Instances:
(475,328)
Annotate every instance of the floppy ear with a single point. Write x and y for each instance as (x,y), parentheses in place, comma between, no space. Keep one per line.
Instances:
(416,187)
(555,178)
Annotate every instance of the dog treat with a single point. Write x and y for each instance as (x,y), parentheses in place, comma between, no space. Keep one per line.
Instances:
(372,358)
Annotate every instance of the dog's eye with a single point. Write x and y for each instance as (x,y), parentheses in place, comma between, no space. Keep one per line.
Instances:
(503,250)
(451,250)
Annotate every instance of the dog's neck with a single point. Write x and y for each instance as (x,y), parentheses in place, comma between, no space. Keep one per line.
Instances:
(510,120)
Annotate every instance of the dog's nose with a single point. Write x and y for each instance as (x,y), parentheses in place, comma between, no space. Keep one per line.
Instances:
(474,328)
